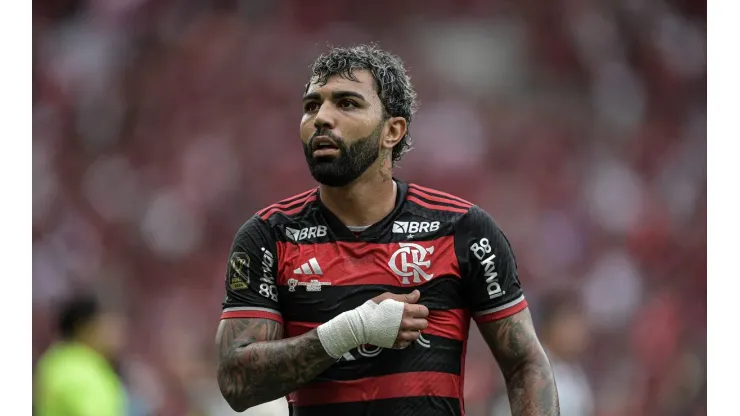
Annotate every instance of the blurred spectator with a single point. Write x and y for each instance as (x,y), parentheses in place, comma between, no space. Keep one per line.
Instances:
(565,335)
(76,375)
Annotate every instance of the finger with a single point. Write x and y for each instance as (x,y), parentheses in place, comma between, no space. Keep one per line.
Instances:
(416,311)
(414,324)
(409,336)
(399,345)
(412,297)
(387,295)
(403,342)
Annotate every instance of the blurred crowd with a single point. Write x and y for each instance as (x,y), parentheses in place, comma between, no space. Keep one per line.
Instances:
(160,126)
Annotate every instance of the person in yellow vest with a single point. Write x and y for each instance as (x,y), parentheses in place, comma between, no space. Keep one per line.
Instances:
(75,376)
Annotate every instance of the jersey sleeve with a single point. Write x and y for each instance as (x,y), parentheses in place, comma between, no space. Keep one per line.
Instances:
(250,274)
(488,268)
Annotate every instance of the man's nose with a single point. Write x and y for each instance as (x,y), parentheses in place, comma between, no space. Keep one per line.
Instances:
(324,118)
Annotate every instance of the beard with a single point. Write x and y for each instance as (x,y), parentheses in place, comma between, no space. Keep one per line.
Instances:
(352,162)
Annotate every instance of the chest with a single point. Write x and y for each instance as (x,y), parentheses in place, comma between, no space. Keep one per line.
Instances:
(406,264)
(317,281)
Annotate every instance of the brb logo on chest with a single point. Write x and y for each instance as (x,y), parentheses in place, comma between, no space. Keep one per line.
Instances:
(413,227)
(411,260)
(304,233)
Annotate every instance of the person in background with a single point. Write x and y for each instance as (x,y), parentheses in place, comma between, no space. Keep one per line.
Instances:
(76,375)
(565,337)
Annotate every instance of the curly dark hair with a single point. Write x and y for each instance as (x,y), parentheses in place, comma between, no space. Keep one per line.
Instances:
(392,83)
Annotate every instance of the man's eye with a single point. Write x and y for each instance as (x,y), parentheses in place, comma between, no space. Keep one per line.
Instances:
(346,104)
(310,107)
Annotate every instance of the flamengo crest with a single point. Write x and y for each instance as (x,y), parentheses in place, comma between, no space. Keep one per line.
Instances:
(411,260)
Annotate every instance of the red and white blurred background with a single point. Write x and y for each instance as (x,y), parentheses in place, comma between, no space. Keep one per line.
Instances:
(159,126)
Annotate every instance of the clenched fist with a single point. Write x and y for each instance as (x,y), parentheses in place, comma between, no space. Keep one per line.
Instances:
(413,320)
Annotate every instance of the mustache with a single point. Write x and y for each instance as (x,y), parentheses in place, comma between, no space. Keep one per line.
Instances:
(327,133)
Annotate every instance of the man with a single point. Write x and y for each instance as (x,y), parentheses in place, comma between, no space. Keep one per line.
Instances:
(355,298)
(565,335)
(566,338)
(75,376)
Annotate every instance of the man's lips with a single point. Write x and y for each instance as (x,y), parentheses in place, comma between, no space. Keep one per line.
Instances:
(324,146)
(323,142)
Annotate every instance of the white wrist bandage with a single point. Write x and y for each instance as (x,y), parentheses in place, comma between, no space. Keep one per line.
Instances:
(370,323)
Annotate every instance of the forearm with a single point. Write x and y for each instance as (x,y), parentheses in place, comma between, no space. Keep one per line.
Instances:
(531,389)
(259,372)
(530,383)
(256,365)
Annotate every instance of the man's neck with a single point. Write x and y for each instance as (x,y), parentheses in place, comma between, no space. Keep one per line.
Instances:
(361,203)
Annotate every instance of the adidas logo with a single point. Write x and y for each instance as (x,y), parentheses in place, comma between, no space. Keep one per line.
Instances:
(309,267)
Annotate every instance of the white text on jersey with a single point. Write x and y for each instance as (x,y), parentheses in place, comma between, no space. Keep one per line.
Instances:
(305,233)
(480,249)
(413,227)
(267,287)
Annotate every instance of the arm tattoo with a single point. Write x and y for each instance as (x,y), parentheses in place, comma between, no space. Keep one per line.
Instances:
(530,383)
(256,366)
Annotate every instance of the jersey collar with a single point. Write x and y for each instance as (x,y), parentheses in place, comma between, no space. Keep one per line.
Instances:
(373,232)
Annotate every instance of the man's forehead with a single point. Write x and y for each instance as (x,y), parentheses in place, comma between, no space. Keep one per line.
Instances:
(365,83)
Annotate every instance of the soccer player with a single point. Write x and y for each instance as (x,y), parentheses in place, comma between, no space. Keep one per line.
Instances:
(355,298)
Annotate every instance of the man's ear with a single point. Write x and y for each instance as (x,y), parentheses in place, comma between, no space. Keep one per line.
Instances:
(395,130)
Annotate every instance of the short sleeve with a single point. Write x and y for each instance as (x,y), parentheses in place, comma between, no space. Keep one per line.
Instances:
(488,268)
(250,274)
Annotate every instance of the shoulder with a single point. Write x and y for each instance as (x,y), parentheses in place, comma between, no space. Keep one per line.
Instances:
(464,216)
(288,207)
(62,365)
(280,212)
(459,210)
(435,202)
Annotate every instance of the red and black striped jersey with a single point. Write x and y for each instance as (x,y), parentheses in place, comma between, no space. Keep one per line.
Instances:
(296,263)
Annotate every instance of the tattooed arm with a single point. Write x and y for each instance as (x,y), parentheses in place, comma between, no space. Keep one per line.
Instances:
(257,366)
(529,379)
(495,297)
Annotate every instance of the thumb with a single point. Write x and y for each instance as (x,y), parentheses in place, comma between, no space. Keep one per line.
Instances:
(413,297)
